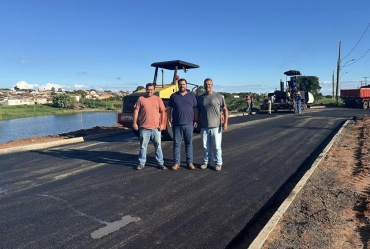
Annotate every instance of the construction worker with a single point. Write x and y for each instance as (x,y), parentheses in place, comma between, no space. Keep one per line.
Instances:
(287,96)
(248,100)
(270,102)
(299,102)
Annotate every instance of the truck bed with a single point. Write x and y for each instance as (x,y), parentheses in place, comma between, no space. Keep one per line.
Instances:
(355,93)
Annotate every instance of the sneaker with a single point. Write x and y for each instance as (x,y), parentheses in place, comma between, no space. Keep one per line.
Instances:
(218,167)
(140,166)
(162,167)
(204,166)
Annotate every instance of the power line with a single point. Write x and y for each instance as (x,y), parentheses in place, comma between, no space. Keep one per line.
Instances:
(365,79)
(359,58)
(357,42)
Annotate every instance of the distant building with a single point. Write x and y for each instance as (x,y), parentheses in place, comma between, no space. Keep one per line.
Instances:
(105,96)
(77,97)
(40,100)
(18,101)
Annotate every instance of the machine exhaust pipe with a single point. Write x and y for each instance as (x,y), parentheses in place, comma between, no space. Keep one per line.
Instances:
(162,78)
(281,86)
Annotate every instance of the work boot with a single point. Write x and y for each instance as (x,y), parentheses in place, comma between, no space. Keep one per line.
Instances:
(191,166)
(175,166)
(218,167)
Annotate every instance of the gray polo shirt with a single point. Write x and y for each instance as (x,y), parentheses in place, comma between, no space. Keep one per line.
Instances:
(209,106)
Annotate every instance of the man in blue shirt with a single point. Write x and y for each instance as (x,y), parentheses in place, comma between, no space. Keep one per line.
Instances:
(181,110)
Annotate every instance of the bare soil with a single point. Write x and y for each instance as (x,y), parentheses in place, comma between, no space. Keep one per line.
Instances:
(333,208)
(55,137)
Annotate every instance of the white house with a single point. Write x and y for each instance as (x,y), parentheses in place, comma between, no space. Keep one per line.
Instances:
(40,100)
(77,97)
(18,101)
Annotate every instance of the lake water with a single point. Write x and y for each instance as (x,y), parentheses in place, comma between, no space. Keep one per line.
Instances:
(52,124)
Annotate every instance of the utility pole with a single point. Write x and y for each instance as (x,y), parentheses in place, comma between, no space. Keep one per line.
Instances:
(338,72)
(332,80)
(365,80)
(361,82)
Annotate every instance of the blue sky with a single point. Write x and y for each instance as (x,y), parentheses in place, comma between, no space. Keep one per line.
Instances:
(242,45)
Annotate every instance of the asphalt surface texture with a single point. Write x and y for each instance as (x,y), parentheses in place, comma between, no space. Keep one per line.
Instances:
(89,195)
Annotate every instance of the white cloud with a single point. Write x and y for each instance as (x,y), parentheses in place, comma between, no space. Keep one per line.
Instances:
(79,87)
(24,85)
(258,88)
(27,62)
(48,86)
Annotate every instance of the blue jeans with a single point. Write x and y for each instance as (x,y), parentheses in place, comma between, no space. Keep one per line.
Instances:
(299,106)
(212,138)
(145,136)
(185,131)
(248,110)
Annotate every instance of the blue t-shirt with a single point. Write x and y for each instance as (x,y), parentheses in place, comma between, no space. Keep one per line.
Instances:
(182,108)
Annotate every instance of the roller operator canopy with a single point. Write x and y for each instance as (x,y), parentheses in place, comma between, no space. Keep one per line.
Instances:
(292,73)
(171,65)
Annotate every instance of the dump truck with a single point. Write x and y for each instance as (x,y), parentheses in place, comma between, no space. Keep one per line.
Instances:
(164,91)
(356,98)
(285,98)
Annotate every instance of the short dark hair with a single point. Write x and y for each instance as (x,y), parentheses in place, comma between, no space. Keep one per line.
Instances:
(208,79)
(182,79)
(150,84)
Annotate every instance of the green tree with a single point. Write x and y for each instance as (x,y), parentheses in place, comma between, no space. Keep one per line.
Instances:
(201,90)
(139,88)
(81,92)
(227,96)
(310,84)
(64,101)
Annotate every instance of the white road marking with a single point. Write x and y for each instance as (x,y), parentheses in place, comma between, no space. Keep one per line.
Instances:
(110,226)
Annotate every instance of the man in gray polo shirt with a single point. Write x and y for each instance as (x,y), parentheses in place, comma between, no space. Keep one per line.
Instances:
(212,109)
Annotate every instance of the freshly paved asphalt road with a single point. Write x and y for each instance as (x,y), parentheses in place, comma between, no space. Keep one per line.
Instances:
(60,197)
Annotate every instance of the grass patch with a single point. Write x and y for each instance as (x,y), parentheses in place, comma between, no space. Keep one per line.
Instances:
(23,111)
(328,102)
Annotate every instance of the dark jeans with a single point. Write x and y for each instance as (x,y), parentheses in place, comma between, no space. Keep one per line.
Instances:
(178,132)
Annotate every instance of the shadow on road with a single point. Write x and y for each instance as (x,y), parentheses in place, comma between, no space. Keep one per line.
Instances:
(106,157)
